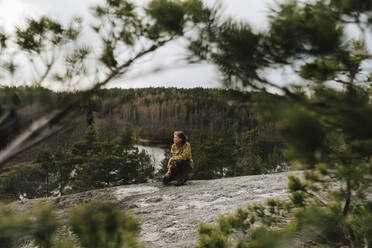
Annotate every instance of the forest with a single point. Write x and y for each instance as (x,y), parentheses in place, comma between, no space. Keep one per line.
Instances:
(226,120)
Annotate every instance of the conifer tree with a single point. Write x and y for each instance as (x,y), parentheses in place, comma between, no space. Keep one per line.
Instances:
(164,165)
(47,167)
(64,168)
(208,163)
(85,159)
(324,119)
(258,154)
(135,166)
(25,180)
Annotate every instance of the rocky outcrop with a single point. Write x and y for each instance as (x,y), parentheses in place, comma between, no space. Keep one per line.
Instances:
(170,215)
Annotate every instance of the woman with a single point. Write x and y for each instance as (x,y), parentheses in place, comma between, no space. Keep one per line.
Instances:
(180,163)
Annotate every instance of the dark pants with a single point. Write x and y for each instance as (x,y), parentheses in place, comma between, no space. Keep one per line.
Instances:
(179,172)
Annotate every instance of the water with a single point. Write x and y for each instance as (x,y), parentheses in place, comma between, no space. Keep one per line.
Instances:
(156,154)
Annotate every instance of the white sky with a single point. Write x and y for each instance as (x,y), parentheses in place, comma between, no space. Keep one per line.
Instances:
(14,12)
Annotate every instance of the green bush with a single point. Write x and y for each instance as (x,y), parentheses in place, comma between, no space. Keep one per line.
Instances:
(97,225)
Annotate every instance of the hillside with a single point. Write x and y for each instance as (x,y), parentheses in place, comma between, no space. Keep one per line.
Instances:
(170,215)
(162,109)
(205,115)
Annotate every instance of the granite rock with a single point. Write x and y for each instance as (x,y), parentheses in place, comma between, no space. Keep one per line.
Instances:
(170,215)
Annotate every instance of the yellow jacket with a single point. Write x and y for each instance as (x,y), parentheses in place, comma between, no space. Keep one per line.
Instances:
(182,152)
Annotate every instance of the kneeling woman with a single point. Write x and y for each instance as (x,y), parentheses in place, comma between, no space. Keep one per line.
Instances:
(180,163)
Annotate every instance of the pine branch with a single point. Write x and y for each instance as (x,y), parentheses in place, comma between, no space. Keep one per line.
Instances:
(53,119)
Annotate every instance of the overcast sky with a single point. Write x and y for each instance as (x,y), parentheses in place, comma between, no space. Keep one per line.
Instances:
(13,12)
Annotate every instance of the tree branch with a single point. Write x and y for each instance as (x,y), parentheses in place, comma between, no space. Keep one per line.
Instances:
(14,148)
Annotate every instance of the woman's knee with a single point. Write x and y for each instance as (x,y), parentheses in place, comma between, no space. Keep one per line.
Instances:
(180,162)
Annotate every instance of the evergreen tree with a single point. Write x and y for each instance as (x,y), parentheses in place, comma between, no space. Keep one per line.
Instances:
(109,160)
(145,167)
(258,155)
(324,120)
(85,161)
(126,139)
(90,164)
(164,165)
(208,162)
(102,163)
(47,167)
(64,168)
(48,175)
(23,181)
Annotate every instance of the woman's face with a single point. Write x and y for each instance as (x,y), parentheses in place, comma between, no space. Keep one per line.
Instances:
(176,139)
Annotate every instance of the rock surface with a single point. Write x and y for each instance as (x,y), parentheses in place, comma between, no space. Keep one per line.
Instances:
(170,215)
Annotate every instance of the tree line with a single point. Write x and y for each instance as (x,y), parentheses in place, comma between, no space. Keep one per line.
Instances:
(210,117)
(90,163)
(96,161)
(162,109)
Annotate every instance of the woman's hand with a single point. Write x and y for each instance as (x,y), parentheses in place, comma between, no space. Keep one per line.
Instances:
(168,174)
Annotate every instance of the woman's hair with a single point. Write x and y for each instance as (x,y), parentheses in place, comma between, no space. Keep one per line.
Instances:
(181,135)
